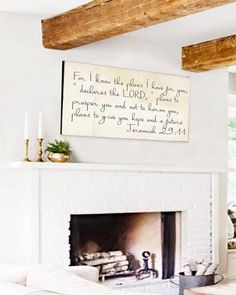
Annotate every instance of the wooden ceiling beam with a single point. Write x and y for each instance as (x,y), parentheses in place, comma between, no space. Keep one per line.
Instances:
(210,55)
(102,19)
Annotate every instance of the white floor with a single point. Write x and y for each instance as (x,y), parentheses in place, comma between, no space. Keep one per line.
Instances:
(146,286)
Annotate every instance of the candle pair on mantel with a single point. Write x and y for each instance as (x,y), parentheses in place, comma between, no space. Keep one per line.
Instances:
(40,138)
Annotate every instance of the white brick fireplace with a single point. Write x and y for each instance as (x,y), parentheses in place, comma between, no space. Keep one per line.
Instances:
(56,192)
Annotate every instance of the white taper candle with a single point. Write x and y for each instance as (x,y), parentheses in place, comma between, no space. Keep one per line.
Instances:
(26,126)
(40,126)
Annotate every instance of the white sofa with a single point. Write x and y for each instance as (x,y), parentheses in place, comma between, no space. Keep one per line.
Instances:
(52,280)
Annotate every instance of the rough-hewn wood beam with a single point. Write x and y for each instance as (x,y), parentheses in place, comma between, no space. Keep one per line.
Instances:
(210,55)
(101,19)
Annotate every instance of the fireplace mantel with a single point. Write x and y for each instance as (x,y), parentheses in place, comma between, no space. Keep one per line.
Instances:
(111,167)
(54,191)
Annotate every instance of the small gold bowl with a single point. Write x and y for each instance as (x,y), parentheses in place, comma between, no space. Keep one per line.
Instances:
(58,157)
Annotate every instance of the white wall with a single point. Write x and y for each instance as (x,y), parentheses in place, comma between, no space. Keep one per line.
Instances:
(30,78)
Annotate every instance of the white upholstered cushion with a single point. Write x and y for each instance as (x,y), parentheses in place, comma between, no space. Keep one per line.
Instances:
(56,279)
(14,273)
(17,273)
(86,272)
(8,288)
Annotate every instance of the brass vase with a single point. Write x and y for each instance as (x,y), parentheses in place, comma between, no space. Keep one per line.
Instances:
(57,157)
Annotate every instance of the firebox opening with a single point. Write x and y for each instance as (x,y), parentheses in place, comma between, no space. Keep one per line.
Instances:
(114,243)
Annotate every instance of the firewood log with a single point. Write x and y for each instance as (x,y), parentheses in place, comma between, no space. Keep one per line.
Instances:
(97,255)
(105,260)
(187,270)
(115,269)
(115,264)
(201,268)
(211,269)
(115,253)
(92,256)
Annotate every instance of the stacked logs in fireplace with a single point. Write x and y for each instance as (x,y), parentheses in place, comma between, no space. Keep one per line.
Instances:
(110,263)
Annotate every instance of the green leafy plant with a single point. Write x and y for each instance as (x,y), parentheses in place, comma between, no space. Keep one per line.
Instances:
(59,146)
(232,122)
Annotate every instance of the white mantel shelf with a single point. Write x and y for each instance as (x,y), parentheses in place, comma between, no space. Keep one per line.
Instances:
(110,167)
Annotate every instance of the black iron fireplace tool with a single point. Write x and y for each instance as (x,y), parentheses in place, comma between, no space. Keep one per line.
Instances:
(146,272)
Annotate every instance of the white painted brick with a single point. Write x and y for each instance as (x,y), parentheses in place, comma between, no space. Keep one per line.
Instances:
(84,192)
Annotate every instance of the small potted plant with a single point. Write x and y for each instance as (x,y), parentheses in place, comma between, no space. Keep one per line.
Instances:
(58,151)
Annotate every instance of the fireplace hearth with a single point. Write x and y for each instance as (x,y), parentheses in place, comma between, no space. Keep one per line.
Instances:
(117,243)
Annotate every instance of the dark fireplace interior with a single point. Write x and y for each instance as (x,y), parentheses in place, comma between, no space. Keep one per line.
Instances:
(114,243)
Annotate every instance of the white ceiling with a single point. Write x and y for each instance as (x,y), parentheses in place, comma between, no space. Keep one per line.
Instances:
(39,8)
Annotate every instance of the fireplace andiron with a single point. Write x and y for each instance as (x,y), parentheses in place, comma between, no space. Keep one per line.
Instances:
(146,272)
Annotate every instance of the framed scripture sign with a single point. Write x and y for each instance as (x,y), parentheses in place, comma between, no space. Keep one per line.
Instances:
(121,103)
